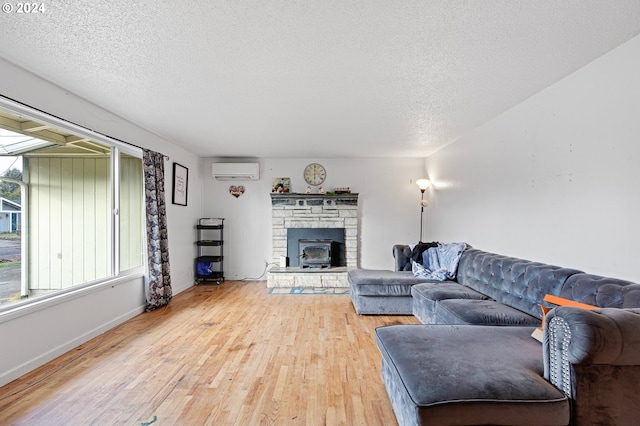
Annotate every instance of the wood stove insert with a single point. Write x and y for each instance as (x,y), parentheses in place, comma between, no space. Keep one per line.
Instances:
(315,253)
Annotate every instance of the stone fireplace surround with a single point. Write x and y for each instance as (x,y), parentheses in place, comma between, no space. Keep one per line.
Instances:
(291,210)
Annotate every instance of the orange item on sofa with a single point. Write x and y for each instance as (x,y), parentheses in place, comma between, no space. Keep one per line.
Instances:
(560,301)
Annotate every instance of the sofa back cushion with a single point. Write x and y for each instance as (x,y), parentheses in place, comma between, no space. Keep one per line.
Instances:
(521,284)
(601,291)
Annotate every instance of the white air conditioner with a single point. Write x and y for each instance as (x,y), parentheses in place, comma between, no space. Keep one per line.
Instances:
(236,171)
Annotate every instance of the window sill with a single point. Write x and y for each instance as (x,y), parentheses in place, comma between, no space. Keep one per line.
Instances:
(27,306)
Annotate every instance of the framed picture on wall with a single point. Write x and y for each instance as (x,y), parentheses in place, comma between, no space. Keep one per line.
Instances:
(180,182)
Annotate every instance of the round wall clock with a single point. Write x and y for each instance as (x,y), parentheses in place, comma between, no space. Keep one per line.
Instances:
(314,174)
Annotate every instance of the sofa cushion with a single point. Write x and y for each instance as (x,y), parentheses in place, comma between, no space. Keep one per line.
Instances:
(426,295)
(464,375)
(519,283)
(481,312)
(371,282)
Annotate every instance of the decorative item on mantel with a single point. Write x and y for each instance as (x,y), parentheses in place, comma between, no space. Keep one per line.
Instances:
(344,190)
(308,190)
(321,190)
(281,184)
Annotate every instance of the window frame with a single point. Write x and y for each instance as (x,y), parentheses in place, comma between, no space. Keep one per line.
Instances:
(117,276)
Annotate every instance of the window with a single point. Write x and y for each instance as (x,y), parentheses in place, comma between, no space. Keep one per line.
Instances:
(80,207)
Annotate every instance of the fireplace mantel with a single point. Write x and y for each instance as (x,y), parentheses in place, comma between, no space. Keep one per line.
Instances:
(292,198)
(294,210)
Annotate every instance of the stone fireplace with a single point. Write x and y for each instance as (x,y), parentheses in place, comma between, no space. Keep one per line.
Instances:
(327,217)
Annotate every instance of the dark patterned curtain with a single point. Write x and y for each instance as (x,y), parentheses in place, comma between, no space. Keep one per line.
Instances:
(158,282)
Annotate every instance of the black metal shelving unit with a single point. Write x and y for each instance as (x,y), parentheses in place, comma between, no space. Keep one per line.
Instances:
(209,264)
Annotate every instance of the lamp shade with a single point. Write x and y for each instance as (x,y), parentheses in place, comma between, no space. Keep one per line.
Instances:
(423,184)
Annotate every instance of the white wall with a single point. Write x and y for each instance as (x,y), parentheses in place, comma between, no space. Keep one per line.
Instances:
(389,207)
(554,179)
(72,321)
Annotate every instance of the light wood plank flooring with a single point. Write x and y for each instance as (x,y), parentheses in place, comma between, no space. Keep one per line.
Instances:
(218,355)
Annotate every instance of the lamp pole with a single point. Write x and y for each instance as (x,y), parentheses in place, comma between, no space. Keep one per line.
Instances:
(421,211)
(423,184)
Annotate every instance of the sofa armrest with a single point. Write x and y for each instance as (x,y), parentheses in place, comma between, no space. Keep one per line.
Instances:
(594,358)
(602,336)
(402,256)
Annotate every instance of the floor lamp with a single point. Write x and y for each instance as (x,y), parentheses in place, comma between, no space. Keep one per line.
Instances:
(423,184)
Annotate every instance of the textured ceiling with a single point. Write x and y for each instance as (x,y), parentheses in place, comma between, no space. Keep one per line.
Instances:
(315,78)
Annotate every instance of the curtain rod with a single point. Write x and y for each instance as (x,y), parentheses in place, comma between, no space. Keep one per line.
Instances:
(166,157)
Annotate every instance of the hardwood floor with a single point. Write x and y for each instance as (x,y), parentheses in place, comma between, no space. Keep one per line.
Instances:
(217,355)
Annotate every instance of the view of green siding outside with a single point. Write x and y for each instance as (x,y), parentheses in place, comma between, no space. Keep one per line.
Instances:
(131,212)
(70,219)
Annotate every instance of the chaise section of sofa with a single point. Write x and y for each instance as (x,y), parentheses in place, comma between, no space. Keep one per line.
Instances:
(467,375)
(381,292)
(384,292)
(586,371)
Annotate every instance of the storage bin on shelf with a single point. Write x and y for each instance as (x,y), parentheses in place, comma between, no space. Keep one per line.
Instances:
(209,265)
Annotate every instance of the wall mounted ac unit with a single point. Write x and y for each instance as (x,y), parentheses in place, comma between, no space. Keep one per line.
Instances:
(236,171)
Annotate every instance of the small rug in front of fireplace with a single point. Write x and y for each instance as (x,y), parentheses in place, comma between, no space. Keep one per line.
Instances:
(308,290)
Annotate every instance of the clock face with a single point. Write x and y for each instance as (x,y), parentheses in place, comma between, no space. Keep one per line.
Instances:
(314,174)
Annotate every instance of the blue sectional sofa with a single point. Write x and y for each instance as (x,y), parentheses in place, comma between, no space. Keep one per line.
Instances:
(473,360)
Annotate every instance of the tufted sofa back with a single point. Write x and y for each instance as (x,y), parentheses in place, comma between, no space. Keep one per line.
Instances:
(601,291)
(521,284)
